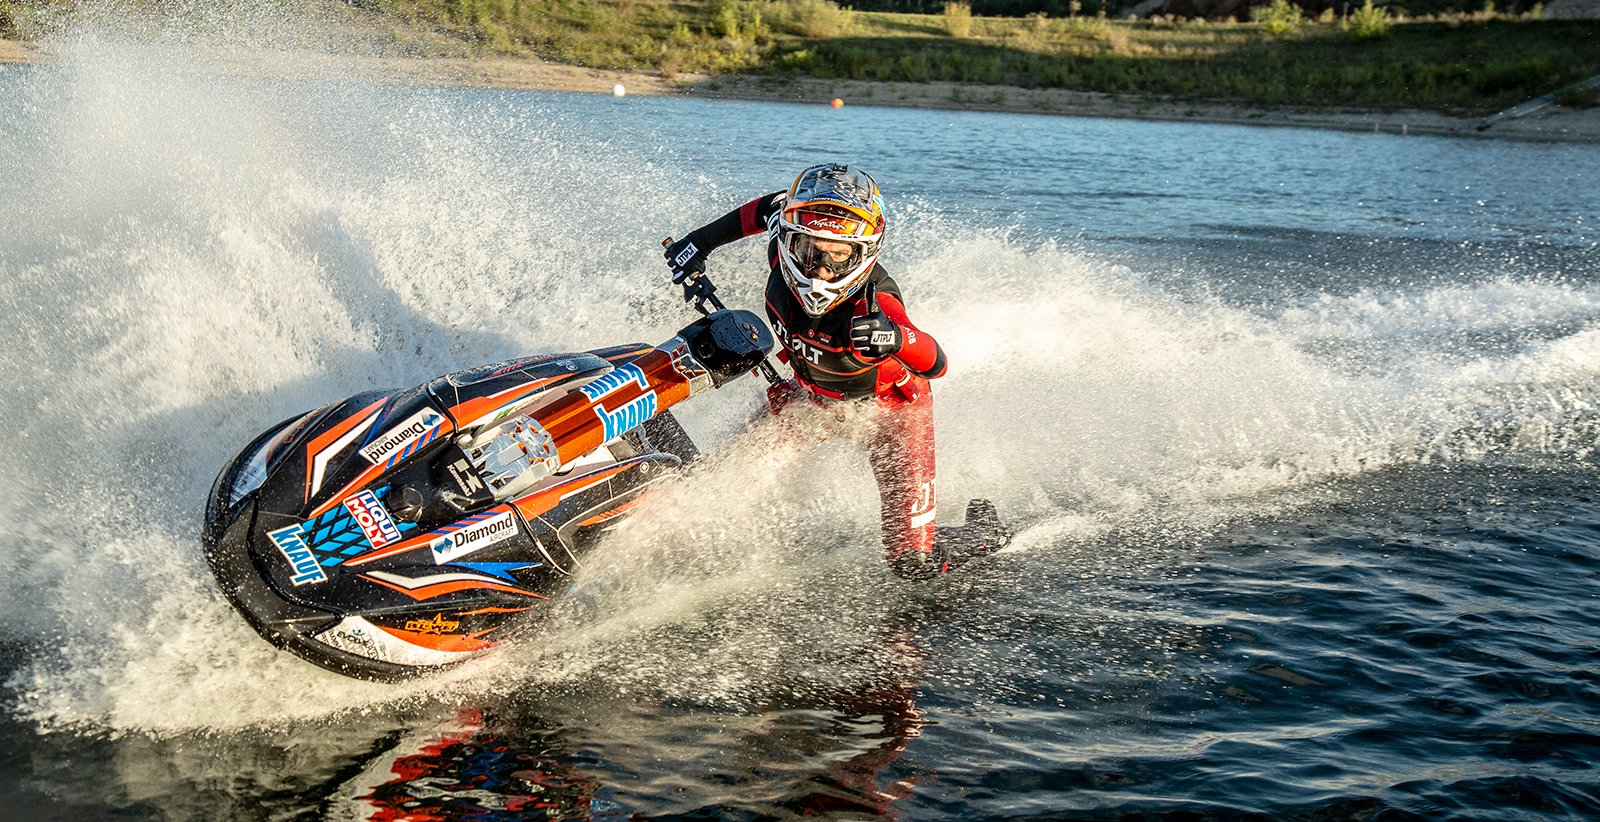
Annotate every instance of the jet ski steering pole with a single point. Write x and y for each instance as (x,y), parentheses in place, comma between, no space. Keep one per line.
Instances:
(698,291)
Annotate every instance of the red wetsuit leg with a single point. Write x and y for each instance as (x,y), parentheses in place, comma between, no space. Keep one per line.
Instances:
(901,450)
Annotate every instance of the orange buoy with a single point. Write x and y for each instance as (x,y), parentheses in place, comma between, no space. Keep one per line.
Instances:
(837,103)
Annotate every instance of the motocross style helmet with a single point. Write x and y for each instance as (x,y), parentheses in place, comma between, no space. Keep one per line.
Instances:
(832,203)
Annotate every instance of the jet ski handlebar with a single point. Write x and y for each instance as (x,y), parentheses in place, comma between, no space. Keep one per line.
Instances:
(699,291)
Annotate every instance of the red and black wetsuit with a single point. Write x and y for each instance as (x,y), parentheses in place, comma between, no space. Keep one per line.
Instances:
(825,364)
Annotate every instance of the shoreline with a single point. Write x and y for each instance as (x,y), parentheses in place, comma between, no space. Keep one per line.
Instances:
(1550,124)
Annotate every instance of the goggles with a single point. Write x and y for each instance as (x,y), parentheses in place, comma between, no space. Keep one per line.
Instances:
(836,258)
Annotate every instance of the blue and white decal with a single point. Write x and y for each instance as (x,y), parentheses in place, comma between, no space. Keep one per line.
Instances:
(298,554)
(623,419)
(398,442)
(472,534)
(339,534)
(607,383)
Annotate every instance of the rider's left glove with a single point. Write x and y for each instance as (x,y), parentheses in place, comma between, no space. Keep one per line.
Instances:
(687,259)
(875,337)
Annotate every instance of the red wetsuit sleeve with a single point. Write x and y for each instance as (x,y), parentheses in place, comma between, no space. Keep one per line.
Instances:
(921,354)
(744,221)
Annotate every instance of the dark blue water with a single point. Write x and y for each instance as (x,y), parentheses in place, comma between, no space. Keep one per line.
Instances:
(1297,430)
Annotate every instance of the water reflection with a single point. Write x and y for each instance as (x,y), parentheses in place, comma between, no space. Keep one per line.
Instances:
(475,766)
(529,759)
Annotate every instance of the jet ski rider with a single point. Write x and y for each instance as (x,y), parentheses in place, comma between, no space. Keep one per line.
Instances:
(844,330)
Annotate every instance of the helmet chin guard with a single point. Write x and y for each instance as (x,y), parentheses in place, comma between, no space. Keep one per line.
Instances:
(835,203)
(817,295)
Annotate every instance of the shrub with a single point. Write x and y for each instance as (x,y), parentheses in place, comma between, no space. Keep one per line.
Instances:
(498,37)
(725,19)
(914,67)
(1277,17)
(1579,95)
(958,19)
(1528,75)
(1367,23)
(809,18)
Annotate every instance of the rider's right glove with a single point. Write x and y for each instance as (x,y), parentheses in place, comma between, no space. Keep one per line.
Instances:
(687,259)
(779,395)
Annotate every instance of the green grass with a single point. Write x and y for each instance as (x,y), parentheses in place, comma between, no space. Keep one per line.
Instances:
(1467,64)
(1474,67)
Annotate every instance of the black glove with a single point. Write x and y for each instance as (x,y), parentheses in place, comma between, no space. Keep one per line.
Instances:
(780,394)
(874,336)
(687,259)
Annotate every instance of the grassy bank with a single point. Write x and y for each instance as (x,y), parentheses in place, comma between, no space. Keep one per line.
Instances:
(1474,64)
(1469,64)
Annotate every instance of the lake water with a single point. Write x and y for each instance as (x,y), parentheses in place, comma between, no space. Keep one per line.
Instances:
(1297,430)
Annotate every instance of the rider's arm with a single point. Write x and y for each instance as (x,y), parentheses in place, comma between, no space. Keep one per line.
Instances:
(921,354)
(750,218)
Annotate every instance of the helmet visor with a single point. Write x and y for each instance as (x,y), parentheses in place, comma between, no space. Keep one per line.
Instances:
(824,259)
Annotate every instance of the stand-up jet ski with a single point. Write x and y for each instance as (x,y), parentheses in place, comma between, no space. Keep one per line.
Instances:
(397,532)
(391,533)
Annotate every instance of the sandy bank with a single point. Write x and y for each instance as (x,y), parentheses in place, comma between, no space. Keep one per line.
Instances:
(1551,123)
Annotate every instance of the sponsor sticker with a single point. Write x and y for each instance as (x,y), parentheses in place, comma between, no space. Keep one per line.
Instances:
(474,537)
(685,255)
(883,338)
(618,422)
(437,625)
(610,382)
(416,429)
(376,524)
(808,353)
(298,555)
(466,478)
(355,636)
(832,224)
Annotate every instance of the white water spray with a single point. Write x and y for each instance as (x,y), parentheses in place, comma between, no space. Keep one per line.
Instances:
(191,255)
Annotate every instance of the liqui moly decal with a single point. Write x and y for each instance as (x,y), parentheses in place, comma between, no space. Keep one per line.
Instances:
(417,429)
(300,558)
(375,522)
(619,422)
(607,383)
(474,536)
